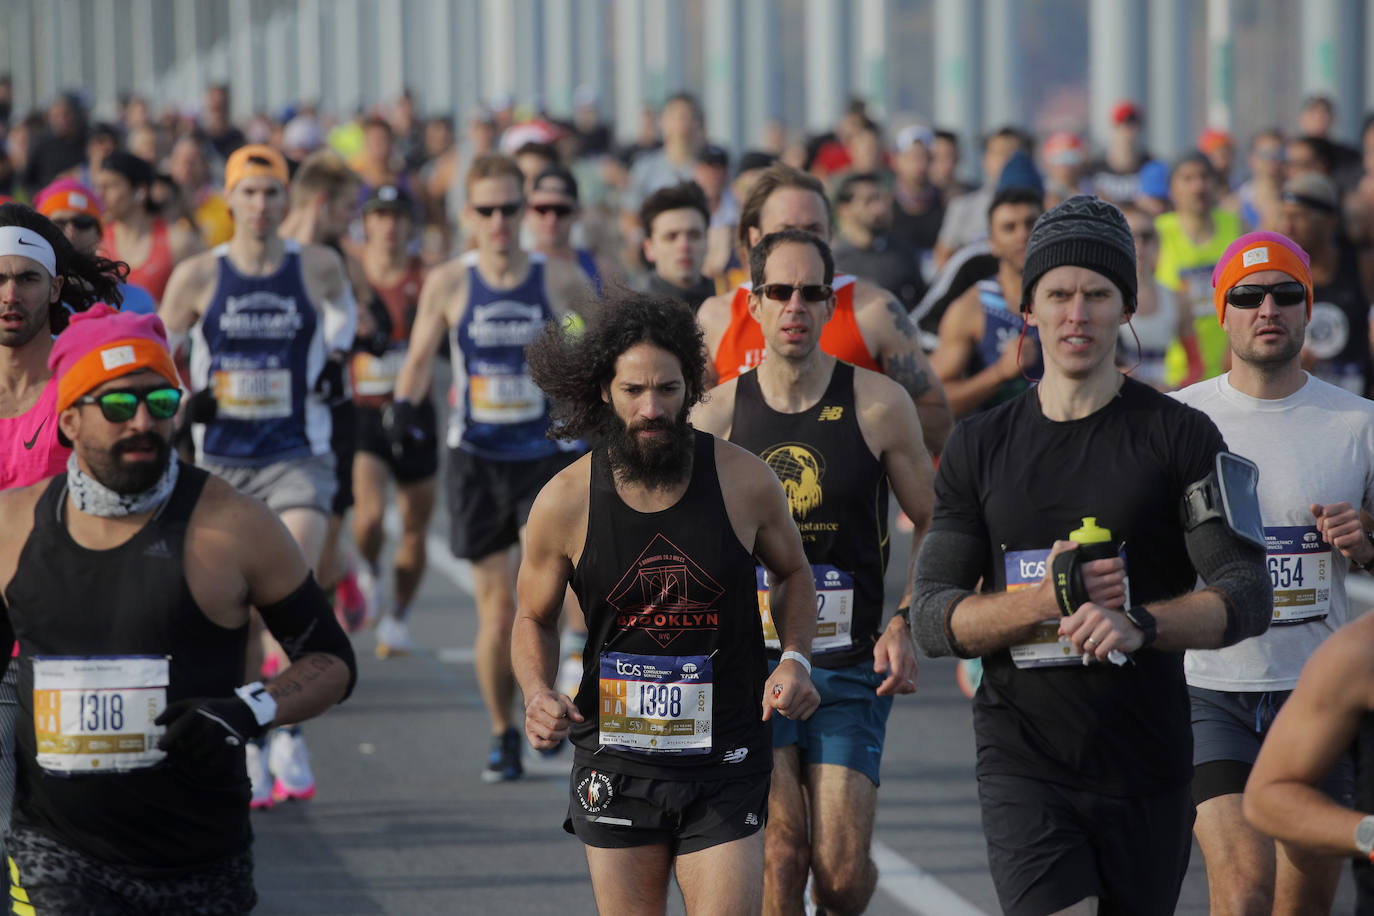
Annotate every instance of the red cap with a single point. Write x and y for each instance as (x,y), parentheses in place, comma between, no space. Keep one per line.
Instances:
(1125,111)
(1213,139)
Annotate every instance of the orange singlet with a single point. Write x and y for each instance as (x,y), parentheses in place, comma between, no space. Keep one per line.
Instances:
(156,269)
(741,346)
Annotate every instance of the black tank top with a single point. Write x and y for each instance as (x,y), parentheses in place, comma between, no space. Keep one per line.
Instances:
(132,600)
(837,491)
(670,605)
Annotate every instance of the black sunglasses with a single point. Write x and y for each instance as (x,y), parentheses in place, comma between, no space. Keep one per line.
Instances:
(81,221)
(120,406)
(782,292)
(558,210)
(1250,295)
(508,209)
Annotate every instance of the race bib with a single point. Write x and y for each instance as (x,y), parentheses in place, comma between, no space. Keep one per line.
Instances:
(253,394)
(1046,649)
(504,399)
(95,715)
(1300,571)
(656,704)
(375,376)
(834,609)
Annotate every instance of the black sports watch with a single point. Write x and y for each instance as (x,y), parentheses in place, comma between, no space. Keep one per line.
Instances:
(1145,621)
(905,614)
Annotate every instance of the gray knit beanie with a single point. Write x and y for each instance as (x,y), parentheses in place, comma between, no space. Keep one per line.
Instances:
(1081,232)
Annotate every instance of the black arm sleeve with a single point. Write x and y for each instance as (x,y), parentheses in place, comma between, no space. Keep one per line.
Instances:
(1237,572)
(304,623)
(947,569)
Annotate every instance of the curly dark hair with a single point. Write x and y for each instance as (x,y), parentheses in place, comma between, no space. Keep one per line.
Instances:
(86,279)
(574,365)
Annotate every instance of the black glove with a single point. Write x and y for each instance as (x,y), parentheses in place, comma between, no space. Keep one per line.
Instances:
(401,423)
(202,407)
(329,385)
(379,341)
(202,727)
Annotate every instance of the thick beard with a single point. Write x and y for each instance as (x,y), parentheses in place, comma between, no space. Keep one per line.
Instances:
(654,465)
(126,478)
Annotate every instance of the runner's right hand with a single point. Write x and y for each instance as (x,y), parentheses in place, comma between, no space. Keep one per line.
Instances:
(202,727)
(549,716)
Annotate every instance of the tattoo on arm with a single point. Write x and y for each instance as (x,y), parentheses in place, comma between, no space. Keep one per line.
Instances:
(901,319)
(301,674)
(903,370)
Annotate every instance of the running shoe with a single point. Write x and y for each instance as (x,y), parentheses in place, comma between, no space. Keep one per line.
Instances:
(373,589)
(290,763)
(259,776)
(393,637)
(503,763)
(350,603)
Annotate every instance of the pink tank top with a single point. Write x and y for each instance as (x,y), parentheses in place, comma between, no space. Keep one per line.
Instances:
(29,450)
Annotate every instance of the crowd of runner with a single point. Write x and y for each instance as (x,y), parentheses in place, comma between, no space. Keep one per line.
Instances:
(1079,381)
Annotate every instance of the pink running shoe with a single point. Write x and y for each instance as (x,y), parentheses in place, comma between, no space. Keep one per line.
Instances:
(350,604)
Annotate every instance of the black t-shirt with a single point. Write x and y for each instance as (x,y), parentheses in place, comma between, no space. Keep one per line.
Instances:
(1338,331)
(1018,481)
(889,262)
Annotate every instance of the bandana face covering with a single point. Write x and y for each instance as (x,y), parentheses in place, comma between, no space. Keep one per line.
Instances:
(94,498)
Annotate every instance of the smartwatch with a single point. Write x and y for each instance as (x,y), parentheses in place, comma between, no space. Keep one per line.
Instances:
(1367,567)
(1145,621)
(1364,837)
(905,614)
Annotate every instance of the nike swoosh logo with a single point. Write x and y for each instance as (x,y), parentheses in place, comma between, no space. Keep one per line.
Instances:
(30,244)
(29,444)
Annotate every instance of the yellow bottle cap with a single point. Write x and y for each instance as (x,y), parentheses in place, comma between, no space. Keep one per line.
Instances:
(1090,533)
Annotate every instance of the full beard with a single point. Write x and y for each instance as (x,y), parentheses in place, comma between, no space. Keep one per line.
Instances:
(128,478)
(656,464)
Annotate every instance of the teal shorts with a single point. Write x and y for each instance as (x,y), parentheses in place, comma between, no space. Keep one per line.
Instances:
(849,727)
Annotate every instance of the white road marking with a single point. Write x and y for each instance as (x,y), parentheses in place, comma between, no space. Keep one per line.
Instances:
(915,888)
(901,879)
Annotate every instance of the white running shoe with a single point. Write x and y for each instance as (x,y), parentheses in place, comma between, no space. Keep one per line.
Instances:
(373,588)
(393,637)
(290,763)
(259,776)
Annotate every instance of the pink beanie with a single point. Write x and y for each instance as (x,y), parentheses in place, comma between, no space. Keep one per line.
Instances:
(100,344)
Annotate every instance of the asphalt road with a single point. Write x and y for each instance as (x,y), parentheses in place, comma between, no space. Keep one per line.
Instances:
(403,824)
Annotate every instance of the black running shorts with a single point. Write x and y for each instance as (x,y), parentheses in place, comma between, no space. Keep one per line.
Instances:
(490,501)
(417,461)
(613,811)
(1050,846)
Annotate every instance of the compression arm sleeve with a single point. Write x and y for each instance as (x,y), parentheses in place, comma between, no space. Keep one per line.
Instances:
(304,623)
(947,569)
(1236,571)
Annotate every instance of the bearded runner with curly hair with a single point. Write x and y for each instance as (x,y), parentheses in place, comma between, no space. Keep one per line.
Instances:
(659,531)
(41,277)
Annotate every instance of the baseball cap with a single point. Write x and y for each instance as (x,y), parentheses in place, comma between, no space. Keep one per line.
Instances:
(556,180)
(912,134)
(389,197)
(1125,111)
(252,161)
(1314,190)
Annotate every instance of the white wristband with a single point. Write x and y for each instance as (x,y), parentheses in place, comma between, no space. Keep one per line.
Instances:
(263,704)
(798,658)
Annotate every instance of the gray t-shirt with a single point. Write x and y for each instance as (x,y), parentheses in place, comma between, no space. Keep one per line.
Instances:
(1314,446)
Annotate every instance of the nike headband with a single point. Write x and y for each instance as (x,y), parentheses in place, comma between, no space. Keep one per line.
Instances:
(28,244)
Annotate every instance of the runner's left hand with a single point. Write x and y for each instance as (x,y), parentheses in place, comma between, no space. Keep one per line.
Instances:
(789,691)
(1340,526)
(895,653)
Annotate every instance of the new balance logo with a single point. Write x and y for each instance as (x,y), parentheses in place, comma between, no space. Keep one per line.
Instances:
(158,551)
(831,413)
(736,755)
(751,819)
